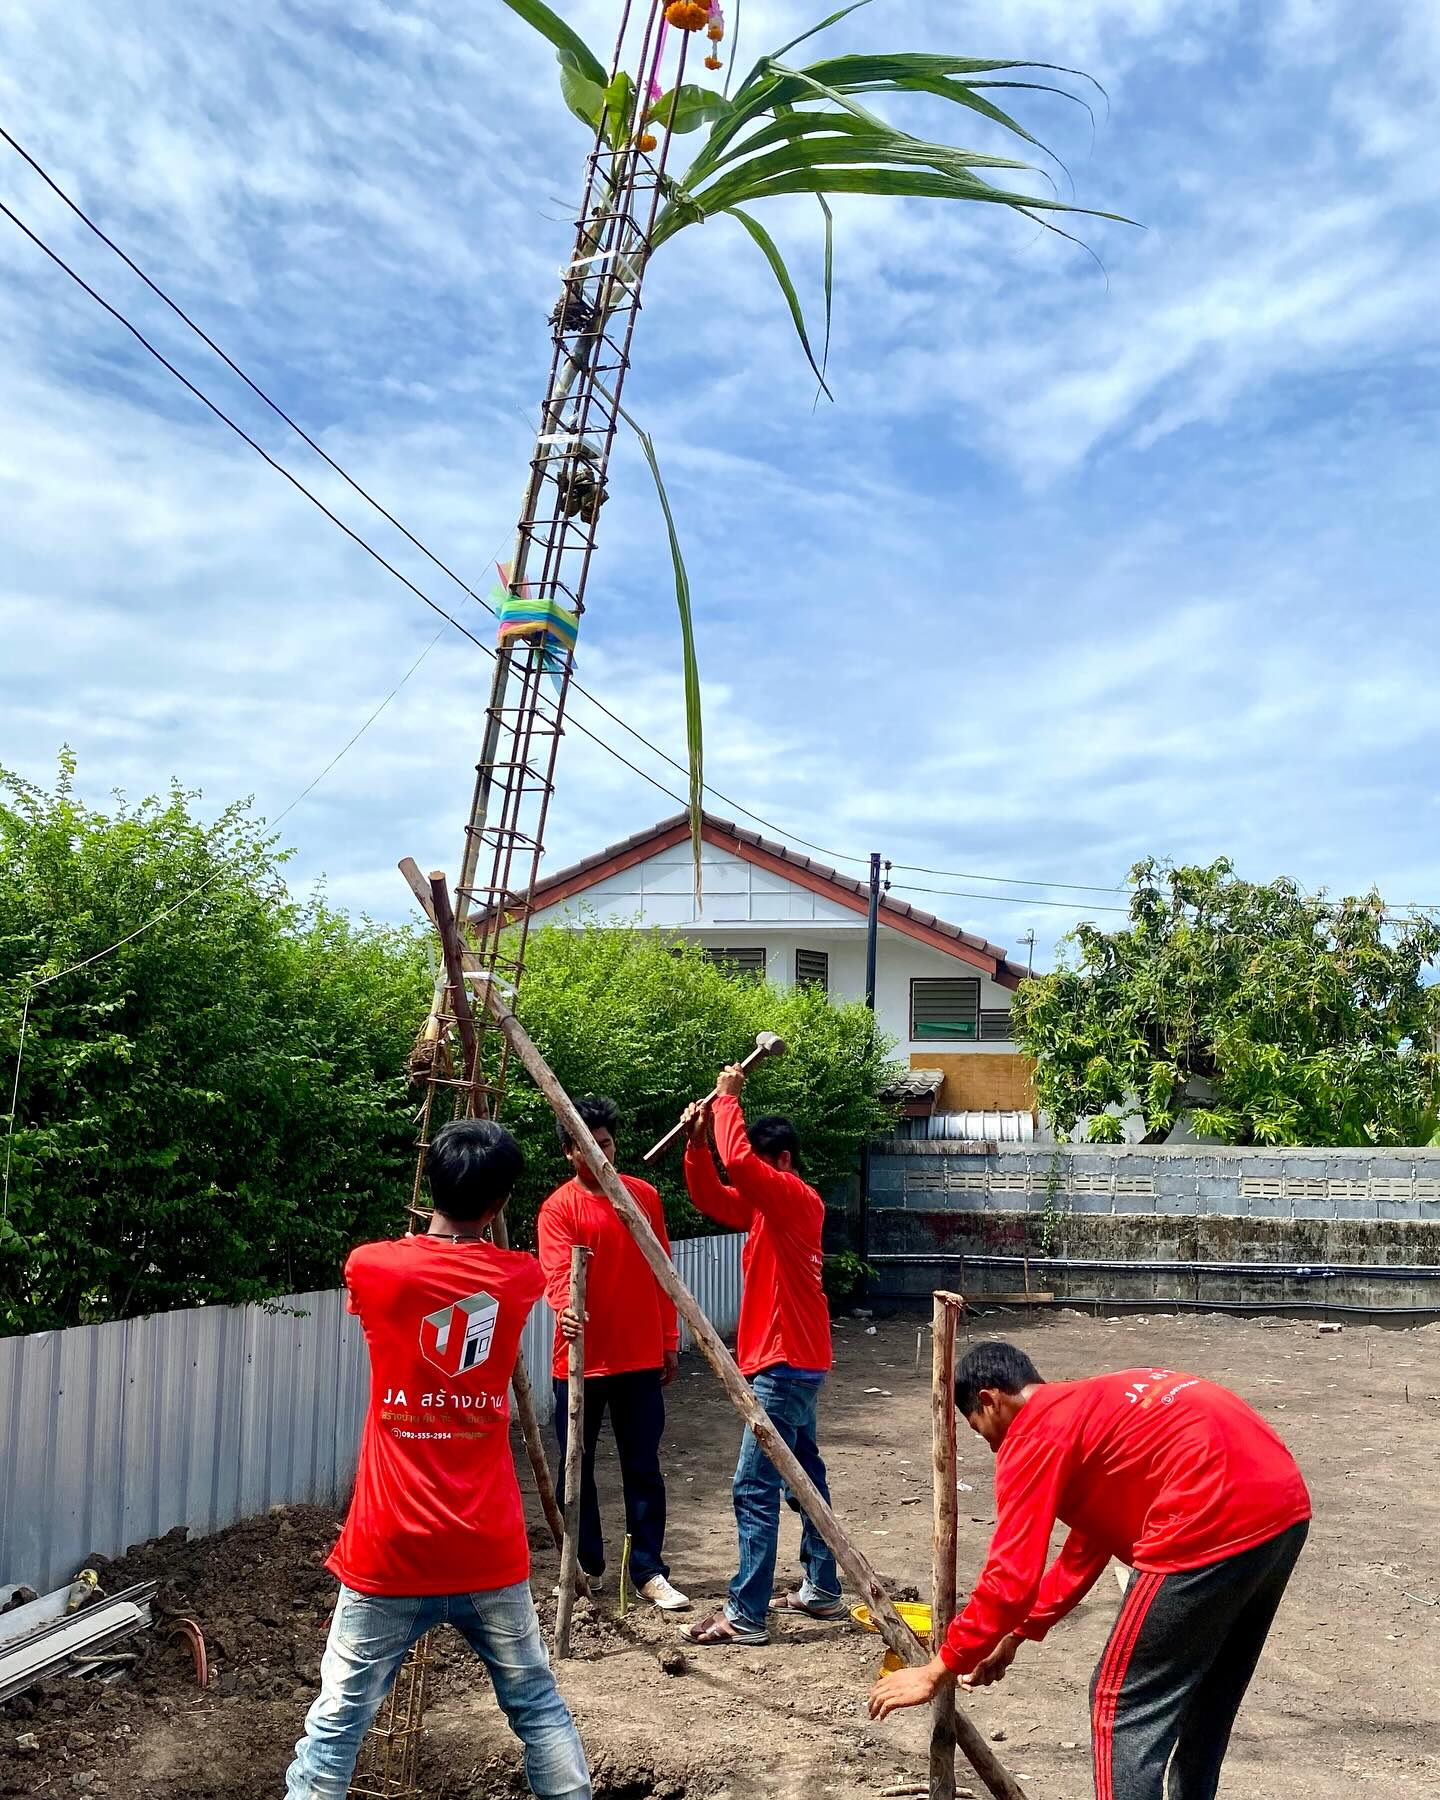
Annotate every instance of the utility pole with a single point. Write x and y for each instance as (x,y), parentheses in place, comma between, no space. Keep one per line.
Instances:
(872,934)
(872,945)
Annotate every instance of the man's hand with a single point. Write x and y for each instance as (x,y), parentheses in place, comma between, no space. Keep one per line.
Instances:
(907,1687)
(696,1120)
(994,1666)
(570,1324)
(732,1079)
(671,1369)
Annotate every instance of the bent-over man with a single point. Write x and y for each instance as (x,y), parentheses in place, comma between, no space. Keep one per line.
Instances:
(1177,1478)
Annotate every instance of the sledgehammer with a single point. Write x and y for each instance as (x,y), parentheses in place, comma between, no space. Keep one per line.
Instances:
(766,1045)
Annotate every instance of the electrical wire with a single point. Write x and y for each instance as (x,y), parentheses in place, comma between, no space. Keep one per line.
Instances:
(656,749)
(301,488)
(33,983)
(424,549)
(1008,899)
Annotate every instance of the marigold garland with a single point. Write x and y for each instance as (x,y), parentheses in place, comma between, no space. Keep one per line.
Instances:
(687,15)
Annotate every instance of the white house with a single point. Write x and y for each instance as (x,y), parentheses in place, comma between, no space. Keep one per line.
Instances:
(941,992)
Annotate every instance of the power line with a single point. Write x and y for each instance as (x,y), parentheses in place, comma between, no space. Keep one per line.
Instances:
(1008,899)
(301,488)
(439,563)
(279,411)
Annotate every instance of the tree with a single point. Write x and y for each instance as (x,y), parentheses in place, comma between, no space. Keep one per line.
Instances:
(648,1020)
(217,1110)
(1265,1015)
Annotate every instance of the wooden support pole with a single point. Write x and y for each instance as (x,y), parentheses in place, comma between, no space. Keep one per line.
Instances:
(945,1547)
(574,1449)
(434,899)
(454,970)
(856,1565)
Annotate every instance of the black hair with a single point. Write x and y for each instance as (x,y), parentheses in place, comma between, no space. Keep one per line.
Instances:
(472,1166)
(999,1366)
(598,1113)
(772,1135)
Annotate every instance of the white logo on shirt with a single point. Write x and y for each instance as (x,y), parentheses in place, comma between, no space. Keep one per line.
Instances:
(457,1338)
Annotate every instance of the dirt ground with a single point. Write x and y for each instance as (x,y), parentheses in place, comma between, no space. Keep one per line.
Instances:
(1347,1694)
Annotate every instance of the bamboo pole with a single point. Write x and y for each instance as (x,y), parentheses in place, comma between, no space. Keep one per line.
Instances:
(946,1539)
(856,1565)
(574,1451)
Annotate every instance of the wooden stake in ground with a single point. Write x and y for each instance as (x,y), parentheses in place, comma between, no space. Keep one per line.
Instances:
(574,1449)
(945,1546)
(854,1562)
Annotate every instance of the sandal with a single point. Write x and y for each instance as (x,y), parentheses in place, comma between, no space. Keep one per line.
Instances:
(792,1603)
(718,1629)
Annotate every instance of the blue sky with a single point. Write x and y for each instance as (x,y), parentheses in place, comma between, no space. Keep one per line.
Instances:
(1080,566)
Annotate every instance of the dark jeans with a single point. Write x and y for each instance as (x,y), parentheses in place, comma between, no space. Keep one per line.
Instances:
(791,1404)
(636,1404)
(1176,1668)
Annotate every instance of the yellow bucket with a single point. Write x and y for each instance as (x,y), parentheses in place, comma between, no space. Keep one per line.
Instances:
(916,1617)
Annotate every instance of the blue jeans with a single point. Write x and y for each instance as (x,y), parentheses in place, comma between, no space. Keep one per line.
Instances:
(369,1636)
(791,1403)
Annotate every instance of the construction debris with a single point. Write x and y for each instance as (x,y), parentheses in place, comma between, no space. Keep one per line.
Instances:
(81,1643)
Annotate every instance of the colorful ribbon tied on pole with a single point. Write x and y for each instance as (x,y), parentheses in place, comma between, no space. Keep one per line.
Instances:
(549,623)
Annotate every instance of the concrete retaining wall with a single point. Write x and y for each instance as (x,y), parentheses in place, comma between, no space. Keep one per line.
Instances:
(1198,1225)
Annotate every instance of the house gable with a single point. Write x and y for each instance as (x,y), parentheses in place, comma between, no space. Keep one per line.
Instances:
(747,881)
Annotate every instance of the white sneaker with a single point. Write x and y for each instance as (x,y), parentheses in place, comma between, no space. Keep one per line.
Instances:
(658,1591)
(596,1584)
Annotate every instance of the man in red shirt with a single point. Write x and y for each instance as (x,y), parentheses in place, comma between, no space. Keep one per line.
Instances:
(782,1347)
(632,1350)
(1173,1476)
(436,1532)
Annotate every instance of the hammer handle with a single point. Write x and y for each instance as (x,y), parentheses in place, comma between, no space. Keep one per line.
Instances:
(677,1131)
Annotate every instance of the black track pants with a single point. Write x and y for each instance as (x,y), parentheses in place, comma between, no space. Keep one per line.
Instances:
(1176,1668)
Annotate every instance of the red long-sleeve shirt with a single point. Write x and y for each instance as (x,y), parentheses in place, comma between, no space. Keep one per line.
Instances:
(784,1317)
(1161,1471)
(631,1321)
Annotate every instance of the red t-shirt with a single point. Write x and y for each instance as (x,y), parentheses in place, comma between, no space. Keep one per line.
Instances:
(784,1317)
(436,1508)
(631,1323)
(1161,1471)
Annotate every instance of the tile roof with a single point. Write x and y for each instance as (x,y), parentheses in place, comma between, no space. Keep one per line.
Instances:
(717,830)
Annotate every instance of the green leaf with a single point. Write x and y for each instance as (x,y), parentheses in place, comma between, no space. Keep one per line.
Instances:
(619,108)
(687,108)
(829,279)
(551,26)
(584,97)
(787,287)
(694,728)
(795,126)
(872,151)
(824,25)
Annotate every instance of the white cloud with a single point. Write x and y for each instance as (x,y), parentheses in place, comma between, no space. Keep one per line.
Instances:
(1070,573)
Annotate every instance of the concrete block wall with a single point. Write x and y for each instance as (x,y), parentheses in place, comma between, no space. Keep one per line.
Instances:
(1193,1223)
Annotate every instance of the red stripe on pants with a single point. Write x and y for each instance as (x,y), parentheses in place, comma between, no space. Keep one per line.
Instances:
(1110,1678)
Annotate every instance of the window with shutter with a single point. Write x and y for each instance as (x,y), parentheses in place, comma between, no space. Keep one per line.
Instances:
(945,1009)
(996,1026)
(812,969)
(749,963)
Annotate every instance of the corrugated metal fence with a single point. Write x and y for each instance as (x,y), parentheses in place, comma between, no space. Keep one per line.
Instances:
(115,1433)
